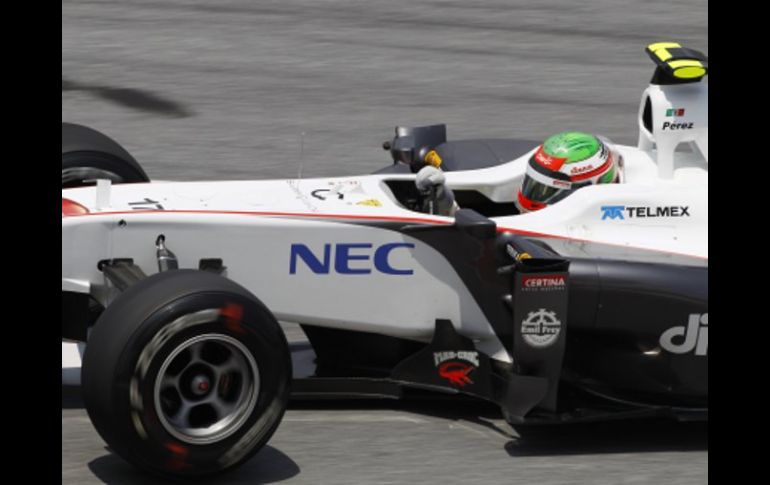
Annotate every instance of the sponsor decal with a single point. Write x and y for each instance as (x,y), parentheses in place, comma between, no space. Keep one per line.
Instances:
(370,202)
(640,212)
(348,259)
(667,125)
(613,212)
(541,328)
(547,161)
(578,170)
(146,205)
(323,194)
(543,282)
(456,365)
(674,112)
(692,337)
(341,183)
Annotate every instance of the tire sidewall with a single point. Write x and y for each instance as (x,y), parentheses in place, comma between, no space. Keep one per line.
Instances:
(105,162)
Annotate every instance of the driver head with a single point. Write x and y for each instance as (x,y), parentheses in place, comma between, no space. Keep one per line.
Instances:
(564,163)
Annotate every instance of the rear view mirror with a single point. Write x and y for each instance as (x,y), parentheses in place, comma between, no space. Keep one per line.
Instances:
(411,144)
(402,149)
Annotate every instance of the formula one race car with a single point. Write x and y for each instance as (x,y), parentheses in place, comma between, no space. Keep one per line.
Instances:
(593,307)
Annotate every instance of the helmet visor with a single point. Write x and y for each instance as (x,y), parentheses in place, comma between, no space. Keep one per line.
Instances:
(540,193)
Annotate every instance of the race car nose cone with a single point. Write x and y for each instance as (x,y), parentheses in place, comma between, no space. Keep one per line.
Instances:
(200,385)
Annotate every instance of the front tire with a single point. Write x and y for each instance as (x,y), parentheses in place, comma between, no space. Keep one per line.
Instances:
(87,155)
(186,374)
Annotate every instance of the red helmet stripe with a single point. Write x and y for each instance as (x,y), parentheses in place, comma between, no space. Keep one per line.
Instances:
(548,161)
(529,204)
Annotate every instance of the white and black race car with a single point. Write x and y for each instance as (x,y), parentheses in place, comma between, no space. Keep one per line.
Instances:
(594,307)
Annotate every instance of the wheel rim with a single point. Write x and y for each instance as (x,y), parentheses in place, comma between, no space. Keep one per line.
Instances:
(82,176)
(206,388)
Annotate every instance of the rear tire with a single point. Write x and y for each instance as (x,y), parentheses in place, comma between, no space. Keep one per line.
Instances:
(87,155)
(186,374)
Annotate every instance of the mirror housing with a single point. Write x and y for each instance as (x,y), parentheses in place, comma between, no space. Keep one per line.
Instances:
(402,149)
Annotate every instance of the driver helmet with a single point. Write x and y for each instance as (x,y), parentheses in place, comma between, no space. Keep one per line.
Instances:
(564,163)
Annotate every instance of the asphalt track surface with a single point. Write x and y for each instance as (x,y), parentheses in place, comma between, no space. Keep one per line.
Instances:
(244,89)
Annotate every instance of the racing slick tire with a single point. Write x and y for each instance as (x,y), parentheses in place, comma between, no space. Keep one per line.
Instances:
(87,155)
(186,374)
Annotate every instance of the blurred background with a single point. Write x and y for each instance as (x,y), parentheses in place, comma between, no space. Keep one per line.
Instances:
(224,89)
